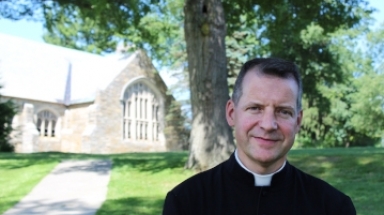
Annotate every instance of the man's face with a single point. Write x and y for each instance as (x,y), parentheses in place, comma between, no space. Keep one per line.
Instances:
(265,121)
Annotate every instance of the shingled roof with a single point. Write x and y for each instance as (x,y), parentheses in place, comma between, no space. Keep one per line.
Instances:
(44,72)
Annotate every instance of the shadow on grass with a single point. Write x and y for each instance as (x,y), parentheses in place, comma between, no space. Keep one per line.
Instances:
(132,206)
(347,167)
(101,167)
(358,172)
(151,162)
(45,206)
(16,161)
(145,162)
(360,176)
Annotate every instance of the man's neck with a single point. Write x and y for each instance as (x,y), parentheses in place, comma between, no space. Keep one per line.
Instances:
(257,166)
(260,179)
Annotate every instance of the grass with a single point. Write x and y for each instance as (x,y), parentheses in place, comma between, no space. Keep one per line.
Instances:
(140,181)
(18,176)
(138,184)
(19,173)
(358,172)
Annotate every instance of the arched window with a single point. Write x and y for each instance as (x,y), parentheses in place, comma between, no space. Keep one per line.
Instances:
(141,113)
(46,123)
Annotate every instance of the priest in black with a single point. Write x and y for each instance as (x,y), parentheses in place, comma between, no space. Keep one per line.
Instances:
(265,112)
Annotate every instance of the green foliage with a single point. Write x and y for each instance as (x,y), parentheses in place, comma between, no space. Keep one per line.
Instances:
(320,36)
(368,105)
(307,40)
(82,34)
(356,104)
(320,40)
(151,25)
(241,45)
(7,111)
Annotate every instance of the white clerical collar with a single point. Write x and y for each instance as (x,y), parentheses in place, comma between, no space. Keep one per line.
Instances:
(260,180)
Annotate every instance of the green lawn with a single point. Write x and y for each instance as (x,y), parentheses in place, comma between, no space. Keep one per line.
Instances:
(19,173)
(358,172)
(140,181)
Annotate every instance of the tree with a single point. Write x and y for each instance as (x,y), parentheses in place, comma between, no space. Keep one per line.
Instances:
(356,104)
(7,111)
(305,35)
(205,32)
(367,103)
(287,29)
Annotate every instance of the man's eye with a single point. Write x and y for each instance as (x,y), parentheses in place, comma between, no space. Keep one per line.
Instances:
(285,112)
(254,108)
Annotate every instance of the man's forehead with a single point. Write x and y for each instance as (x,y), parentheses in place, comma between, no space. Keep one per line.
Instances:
(269,81)
(268,73)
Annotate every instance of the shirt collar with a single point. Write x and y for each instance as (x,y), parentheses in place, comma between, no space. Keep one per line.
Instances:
(260,180)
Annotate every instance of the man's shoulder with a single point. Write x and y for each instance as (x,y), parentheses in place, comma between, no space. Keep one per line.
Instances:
(201,180)
(203,193)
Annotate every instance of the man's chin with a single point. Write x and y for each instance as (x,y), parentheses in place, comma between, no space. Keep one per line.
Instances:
(265,160)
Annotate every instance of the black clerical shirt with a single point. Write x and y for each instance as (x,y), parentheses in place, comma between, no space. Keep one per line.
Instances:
(229,189)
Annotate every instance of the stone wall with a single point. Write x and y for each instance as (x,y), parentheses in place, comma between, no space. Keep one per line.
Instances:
(97,126)
(109,117)
(74,125)
(25,135)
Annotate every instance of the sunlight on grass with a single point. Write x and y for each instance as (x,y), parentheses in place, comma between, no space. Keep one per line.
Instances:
(140,181)
(358,172)
(18,176)
(19,173)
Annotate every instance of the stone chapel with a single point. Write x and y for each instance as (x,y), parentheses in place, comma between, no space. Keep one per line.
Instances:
(72,101)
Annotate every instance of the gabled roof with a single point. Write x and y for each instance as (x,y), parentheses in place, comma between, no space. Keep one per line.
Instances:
(51,73)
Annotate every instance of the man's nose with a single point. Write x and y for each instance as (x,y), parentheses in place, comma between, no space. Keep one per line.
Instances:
(268,121)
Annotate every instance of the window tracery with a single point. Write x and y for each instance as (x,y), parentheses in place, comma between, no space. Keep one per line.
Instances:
(140,111)
(46,123)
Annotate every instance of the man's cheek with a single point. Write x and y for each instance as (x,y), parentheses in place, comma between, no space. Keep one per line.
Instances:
(248,124)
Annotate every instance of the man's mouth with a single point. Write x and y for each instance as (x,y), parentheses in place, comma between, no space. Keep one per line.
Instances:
(266,140)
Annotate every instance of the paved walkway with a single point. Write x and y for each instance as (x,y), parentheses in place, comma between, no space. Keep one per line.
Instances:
(73,187)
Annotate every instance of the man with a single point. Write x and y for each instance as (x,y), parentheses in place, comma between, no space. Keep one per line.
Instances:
(265,111)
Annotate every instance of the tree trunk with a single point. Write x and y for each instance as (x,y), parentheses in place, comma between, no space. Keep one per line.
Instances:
(211,139)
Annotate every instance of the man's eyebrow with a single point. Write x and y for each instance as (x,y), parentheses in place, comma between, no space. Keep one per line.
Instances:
(261,104)
(285,106)
(254,103)
(289,107)
(258,103)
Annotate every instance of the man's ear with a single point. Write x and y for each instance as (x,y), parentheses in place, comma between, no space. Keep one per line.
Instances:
(230,112)
(299,119)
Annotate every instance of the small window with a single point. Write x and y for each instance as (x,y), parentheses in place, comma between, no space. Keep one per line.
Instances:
(46,123)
